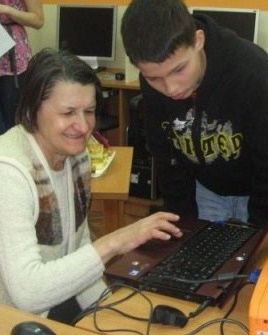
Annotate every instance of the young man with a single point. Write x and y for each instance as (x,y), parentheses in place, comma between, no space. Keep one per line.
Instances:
(206,96)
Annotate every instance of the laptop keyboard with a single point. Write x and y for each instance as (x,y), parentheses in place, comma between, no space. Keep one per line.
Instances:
(200,257)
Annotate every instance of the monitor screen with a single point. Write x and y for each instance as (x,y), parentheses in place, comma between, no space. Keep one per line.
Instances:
(243,21)
(87,31)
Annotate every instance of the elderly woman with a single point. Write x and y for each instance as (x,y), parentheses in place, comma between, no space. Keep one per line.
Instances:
(48,264)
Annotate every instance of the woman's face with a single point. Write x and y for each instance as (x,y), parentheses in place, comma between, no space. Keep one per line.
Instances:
(65,121)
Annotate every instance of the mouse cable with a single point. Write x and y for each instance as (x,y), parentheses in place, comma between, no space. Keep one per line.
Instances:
(193,314)
(200,309)
(103,296)
(108,306)
(95,307)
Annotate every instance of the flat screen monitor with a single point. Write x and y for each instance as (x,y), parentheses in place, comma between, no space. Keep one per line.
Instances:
(87,31)
(243,21)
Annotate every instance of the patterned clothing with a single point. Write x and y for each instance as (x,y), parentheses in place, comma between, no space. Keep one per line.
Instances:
(39,269)
(19,34)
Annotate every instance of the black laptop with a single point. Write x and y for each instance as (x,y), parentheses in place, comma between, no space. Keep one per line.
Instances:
(189,268)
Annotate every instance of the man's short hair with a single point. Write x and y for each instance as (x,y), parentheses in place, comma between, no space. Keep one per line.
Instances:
(152,30)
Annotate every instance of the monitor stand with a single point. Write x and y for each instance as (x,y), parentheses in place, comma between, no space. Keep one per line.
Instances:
(92,62)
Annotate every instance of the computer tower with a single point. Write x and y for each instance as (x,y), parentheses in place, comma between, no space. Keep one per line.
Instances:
(143,183)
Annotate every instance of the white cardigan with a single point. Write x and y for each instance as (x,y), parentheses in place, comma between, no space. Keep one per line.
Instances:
(37,277)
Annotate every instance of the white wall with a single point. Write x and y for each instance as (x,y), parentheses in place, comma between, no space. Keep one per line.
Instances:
(46,37)
(263,30)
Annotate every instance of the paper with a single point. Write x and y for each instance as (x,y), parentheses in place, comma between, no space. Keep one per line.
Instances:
(6,41)
(100,172)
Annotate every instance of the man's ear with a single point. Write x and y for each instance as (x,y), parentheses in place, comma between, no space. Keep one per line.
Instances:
(199,39)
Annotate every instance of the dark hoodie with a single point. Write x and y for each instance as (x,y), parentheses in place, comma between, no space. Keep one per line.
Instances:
(225,146)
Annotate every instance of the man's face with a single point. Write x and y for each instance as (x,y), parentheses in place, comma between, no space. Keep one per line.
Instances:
(180,74)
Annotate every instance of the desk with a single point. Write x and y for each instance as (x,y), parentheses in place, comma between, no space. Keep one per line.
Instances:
(138,306)
(126,90)
(113,188)
(10,316)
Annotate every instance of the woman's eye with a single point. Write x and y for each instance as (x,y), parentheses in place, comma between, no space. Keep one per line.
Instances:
(90,111)
(68,113)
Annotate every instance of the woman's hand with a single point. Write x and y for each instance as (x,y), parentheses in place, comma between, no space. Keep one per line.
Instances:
(158,225)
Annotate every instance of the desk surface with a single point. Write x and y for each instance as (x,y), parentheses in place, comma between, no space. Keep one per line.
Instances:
(10,316)
(139,307)
(107,78)
(114,183)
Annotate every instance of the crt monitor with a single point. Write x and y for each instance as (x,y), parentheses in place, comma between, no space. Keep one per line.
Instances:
(243,21)
(87,31)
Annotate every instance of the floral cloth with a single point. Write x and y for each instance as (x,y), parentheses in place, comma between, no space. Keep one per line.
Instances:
(19,34)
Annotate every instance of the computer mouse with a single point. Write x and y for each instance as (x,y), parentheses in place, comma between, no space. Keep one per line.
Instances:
(31,328)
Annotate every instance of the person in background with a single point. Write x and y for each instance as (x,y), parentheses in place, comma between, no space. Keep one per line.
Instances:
(48,263)
(205,91)
(15,15)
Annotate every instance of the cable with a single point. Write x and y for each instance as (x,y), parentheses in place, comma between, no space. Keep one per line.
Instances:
(108,306)
(200,309)
(127,314)
(252,279)
(95,307)
(225,276)
(220,277)
(104,295)
(218,320)
(233,305)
